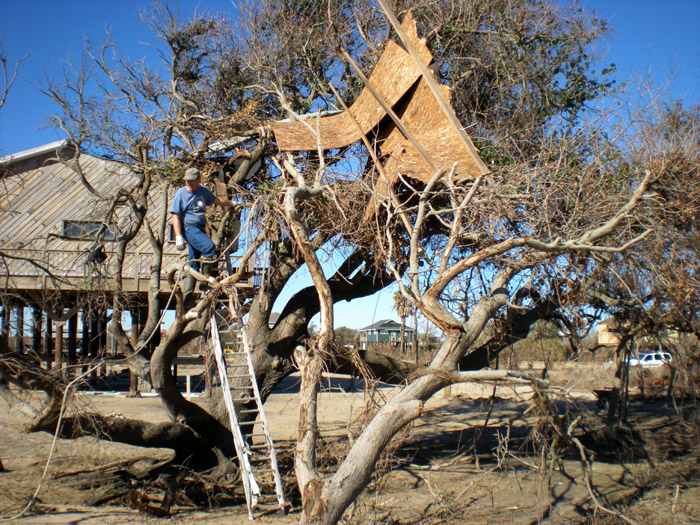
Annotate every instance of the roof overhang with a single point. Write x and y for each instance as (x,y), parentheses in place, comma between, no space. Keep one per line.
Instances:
(34,152)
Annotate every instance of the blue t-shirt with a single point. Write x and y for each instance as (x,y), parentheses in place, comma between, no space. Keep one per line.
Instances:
(191,206)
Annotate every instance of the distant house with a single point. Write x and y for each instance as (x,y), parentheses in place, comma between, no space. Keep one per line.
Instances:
(53,231)
(386,331)
(59,252)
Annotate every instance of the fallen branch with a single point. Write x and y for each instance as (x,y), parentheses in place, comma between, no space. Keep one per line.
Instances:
(566,437)
(588,477)
(481,376)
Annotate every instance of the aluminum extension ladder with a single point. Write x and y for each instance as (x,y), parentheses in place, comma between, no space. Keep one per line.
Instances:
(256,454)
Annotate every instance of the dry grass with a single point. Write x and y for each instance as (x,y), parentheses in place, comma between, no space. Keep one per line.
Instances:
(454,465)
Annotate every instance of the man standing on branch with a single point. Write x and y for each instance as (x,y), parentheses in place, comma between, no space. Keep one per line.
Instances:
(189,222)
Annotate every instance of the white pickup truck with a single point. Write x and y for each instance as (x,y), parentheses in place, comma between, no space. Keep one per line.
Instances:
(650,359)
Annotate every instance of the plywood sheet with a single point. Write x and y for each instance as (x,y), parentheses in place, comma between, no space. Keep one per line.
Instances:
(395,73)
(423,117)
(400,85)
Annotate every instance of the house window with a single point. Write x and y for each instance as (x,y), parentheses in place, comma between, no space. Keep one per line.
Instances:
(170,234)
(87,230)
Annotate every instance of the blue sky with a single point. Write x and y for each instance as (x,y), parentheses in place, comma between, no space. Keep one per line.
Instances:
(655,39)
(52,32)
(651,39)
(650,36)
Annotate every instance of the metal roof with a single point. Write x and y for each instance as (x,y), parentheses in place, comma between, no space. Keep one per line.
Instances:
(385,324)
(34,152)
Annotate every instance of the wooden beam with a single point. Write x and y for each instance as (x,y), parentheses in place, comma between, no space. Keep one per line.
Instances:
(372,153)
(427,75)
(58,356)
(390,112)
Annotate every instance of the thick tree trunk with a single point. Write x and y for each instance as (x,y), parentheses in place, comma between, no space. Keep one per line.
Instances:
(187,445)
(356,470)
(212,430)
(341,489)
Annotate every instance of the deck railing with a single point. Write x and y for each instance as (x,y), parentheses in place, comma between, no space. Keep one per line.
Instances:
(71,266)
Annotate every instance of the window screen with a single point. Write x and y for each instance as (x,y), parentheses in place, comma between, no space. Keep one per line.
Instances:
(86,230)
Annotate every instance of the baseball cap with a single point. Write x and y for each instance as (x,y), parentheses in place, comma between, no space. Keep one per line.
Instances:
(191,174)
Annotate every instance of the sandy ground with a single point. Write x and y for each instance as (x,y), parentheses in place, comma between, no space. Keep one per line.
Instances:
(431,478)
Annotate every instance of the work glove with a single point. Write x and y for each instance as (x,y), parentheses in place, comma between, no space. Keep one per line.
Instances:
(180,242)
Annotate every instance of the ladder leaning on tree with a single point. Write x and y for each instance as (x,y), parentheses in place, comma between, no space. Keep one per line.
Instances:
(256,451)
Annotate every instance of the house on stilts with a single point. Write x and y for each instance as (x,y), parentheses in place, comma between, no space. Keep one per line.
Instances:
(62,213)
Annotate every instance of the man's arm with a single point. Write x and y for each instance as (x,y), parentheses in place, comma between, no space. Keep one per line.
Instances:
(177,229)
(177,225)
(224,203)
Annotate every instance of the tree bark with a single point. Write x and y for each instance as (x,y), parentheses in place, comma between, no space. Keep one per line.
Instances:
(207,427)
(184,441)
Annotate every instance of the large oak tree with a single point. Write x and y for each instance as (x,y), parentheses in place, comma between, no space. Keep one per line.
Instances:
(524,243)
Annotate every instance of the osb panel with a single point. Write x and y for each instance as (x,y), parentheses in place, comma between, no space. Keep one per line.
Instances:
(392,77)
(425,120)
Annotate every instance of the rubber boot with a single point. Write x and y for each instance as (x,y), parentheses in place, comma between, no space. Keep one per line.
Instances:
(209,268)
(187,287)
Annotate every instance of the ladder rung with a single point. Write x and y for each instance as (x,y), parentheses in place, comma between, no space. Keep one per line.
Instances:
(248,411)
(267,499)
(241,387)
(244,399)
(260,445)
(249,423)
(239,376)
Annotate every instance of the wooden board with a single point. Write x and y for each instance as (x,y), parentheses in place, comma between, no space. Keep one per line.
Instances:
(400,85)
(394,74)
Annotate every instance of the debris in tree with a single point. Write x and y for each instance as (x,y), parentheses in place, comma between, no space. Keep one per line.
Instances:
(397,83)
